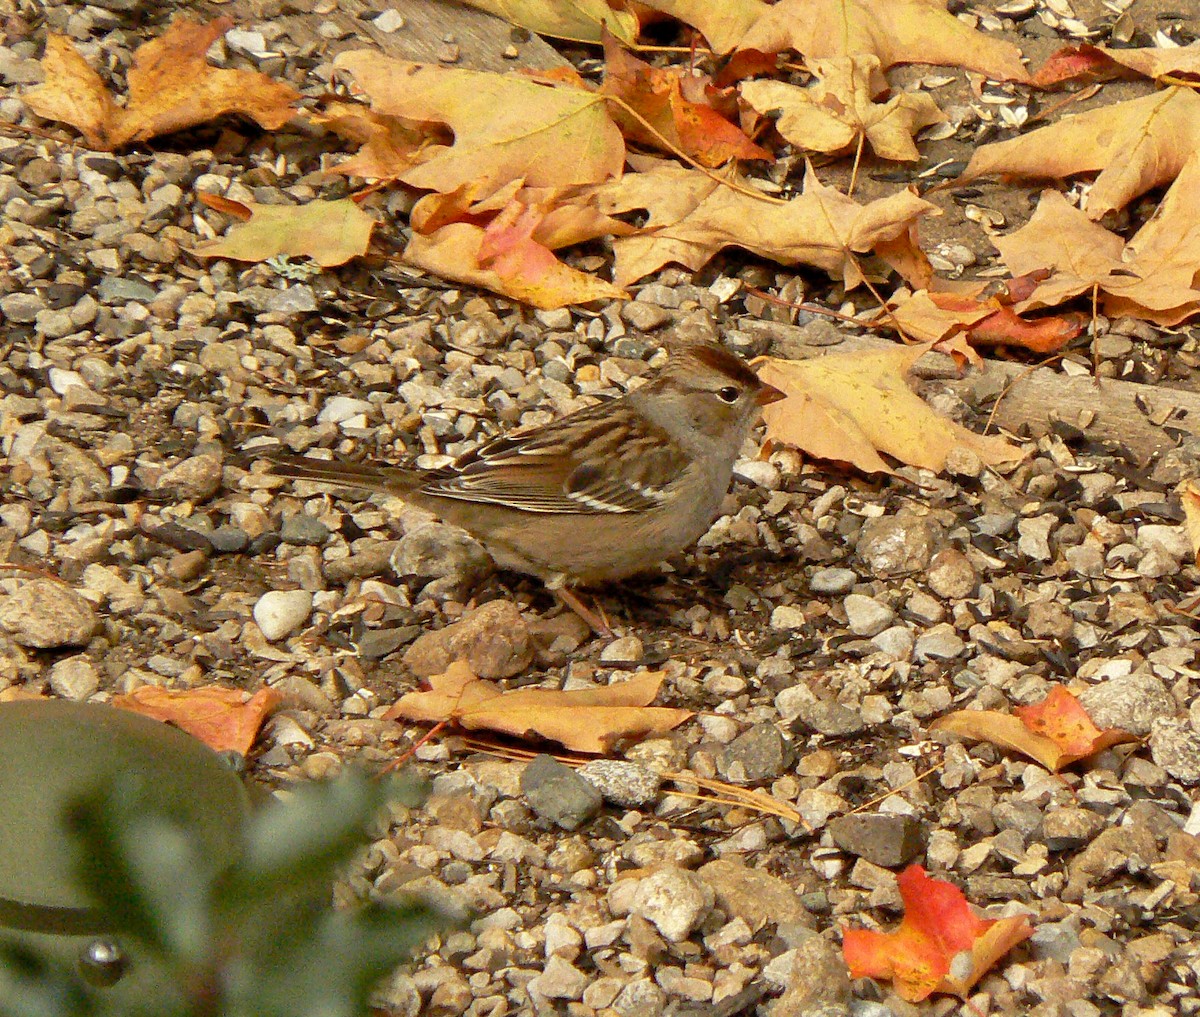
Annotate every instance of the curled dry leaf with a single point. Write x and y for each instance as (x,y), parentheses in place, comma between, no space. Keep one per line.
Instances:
(941,946)
(583,720)
(849,407)
(897,32)
(171,87)
(693,216)
(1134,145)
(506,127)
(1073,63)
(840,108)
(677,124)
(1151,277)
(1055,732)
(224,719)
(930,317)
(329,232)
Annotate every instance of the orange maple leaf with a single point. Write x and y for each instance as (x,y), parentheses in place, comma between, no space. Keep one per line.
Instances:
(940,933)
(665,119)
(224,719)
(1055,732)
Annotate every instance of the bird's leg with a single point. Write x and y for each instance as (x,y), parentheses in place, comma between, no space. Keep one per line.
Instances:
(597,622)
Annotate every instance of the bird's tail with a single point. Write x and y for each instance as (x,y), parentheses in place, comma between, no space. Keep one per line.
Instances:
(342,472)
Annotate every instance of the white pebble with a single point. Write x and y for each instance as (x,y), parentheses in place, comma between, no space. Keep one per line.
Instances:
(341,408)
(280,612)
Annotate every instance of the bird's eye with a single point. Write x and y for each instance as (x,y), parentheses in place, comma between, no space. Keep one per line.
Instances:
(729,394)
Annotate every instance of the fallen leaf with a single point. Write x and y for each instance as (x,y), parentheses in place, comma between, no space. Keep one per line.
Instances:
(940,946)
(693,216)
(1136,145)
(329,232)
(577,20)
(506,126)
(171,87)
(224,719)
(1074,63)
(388,145)
(831,115)
(1189,496)
(897,32)
(654,95)
(583,720)
(931,317)
(1153,276)
(849,407)
(1055,733)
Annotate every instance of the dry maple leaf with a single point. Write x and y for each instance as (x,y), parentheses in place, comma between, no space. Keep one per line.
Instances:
(897,32)
(849,407)
(676,124)
(329,232)
(693,216)
(171,87)
(1136,145)
(1055,732)
(506,243)
(931,317)
(941,946)
(1153,276)
(389,145)
(1073,63)
(583,720)
(506,127)
(833,114)
(224,719)
(577,20)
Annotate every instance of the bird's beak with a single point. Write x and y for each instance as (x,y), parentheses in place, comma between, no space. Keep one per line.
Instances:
(768,394)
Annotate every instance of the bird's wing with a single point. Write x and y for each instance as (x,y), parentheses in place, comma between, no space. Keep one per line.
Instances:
(586,463)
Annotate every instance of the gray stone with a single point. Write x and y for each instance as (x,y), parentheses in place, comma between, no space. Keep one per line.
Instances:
(629,785)
(279,613)
(123,290)
(560,979)
(675,901)
(448,562)
(303,530)
(22,308)
(493,639)
(951,575)
(897,642)
(813,976)
(558,794)
(1034,540)
(832,581)
(293,300)
(229,540)
(799,706)
(1175,746)
(74,678)
(197,478)
(1068,829)
(885,840)
(755,896)
(45,615)
(1132,702)
(866,616)
(897,545)
(942,642)
(757,755)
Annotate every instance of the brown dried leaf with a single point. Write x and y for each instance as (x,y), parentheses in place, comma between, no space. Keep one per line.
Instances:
(585,720)
(171,87)
(849,407)
(222,718)
(329,232)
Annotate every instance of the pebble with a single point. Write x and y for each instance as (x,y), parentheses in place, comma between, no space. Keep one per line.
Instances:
(1131,702)
(494,639)
(1175,746)
(675,901)
(799,705)
(45,615)
(339,409)
(629,785)
(229,540)
(558,794)
(896,545)
(756,755)
(755,897)
(787,618)
(74,678)
(447,562)
(832,581)
(195,479)
(278,613)
(303,530)
(951,575)
(866,616)
(884,840)
(624,650)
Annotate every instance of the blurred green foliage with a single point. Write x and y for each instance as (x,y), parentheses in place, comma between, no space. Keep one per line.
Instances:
(257,937)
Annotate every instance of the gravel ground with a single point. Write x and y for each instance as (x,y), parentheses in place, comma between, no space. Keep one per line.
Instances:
(819,627)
